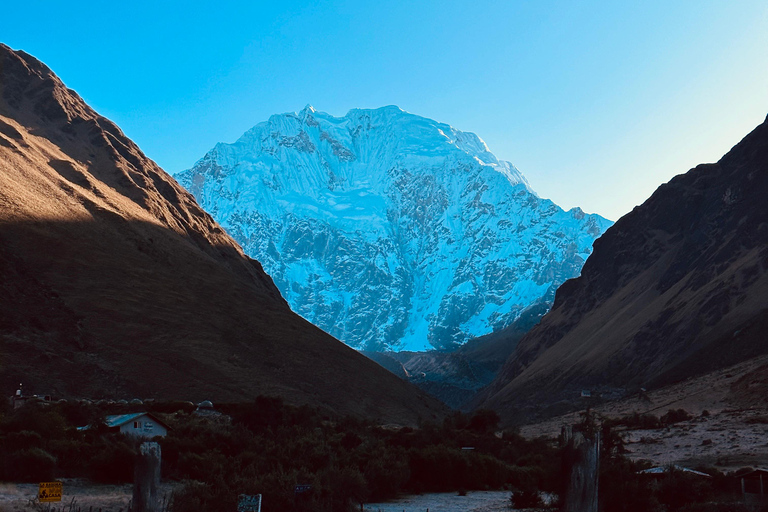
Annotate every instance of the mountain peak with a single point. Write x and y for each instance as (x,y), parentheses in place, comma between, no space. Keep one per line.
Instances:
(390,230)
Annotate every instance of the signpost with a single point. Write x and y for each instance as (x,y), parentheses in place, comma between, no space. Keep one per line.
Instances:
(49,491)
(249,503)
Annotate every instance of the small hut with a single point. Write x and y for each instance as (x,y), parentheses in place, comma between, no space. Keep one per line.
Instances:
(754,487)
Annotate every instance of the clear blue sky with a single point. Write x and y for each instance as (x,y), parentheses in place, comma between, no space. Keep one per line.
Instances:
(596,102)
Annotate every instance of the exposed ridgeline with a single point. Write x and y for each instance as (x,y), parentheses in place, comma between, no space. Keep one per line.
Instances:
(115,283)
(677,287)
(389,230)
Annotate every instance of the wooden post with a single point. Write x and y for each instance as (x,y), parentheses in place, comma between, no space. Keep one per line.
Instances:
(146,478)
(743,490)
(582,462)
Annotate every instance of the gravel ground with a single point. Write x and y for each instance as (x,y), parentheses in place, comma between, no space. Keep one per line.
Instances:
(479,501)
(108,498)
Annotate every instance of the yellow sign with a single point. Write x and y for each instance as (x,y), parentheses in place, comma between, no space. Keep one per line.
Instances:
(49,491)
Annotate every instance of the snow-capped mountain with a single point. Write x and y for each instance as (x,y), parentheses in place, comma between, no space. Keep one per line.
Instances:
(390,230)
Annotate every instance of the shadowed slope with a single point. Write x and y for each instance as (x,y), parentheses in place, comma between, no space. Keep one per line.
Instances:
(677,287)
(115,283)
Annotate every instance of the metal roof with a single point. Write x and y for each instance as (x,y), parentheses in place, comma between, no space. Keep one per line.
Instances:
(117,420)
(666,469)
(756,471)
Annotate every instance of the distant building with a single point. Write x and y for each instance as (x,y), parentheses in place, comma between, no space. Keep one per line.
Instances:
(754,487)
(205,408)
(139,424)
(663,470)
(19,399)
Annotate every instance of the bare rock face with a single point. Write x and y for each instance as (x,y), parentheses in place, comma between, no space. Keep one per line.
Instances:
(114,282)
(677,287)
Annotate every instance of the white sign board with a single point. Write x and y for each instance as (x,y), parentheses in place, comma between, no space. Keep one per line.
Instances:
(249,503)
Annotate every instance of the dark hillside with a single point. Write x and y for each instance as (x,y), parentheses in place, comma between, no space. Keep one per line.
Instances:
(115,283)
(675,288)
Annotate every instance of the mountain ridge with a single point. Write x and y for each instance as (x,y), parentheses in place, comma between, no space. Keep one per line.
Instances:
(675,288)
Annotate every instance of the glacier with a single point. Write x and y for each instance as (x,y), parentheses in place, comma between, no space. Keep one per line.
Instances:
(389,230)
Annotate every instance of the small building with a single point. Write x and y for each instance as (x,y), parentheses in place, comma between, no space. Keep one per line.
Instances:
(205,408)
(19,399)
(754,487)
(139,424)
(663,470)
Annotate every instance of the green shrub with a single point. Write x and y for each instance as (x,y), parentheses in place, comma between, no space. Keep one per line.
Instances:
(193,497)
(386,475)
(526,498)
(30,465)
(46,421)
(675,416)
(113,463)
(25,439)
(622,489)
(484,420)
(678,489)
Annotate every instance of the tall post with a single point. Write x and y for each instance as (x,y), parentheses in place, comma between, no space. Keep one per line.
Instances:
(582,463)
(146,478)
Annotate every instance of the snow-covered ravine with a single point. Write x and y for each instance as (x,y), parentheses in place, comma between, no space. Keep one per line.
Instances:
(390,230)
(478,501)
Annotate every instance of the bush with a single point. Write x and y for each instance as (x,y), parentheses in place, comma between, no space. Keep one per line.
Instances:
(639,421)
(675,416)
(36,418)
(113,464)
(30,465)
(622,489)
(526,498)
(25,439)
(343,488)
(716,507)
(678,489)
(386,475)
(484,420)
(193,497)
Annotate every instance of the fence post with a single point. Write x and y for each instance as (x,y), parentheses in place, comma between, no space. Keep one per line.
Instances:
(146,478)
(582,459)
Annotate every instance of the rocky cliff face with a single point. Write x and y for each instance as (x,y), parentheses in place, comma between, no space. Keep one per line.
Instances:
(389,230)
(677,287)
(115,283)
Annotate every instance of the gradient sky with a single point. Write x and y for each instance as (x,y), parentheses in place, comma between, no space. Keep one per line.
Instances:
(596,102)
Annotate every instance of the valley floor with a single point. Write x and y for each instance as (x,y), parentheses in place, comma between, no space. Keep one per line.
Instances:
(729,428)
